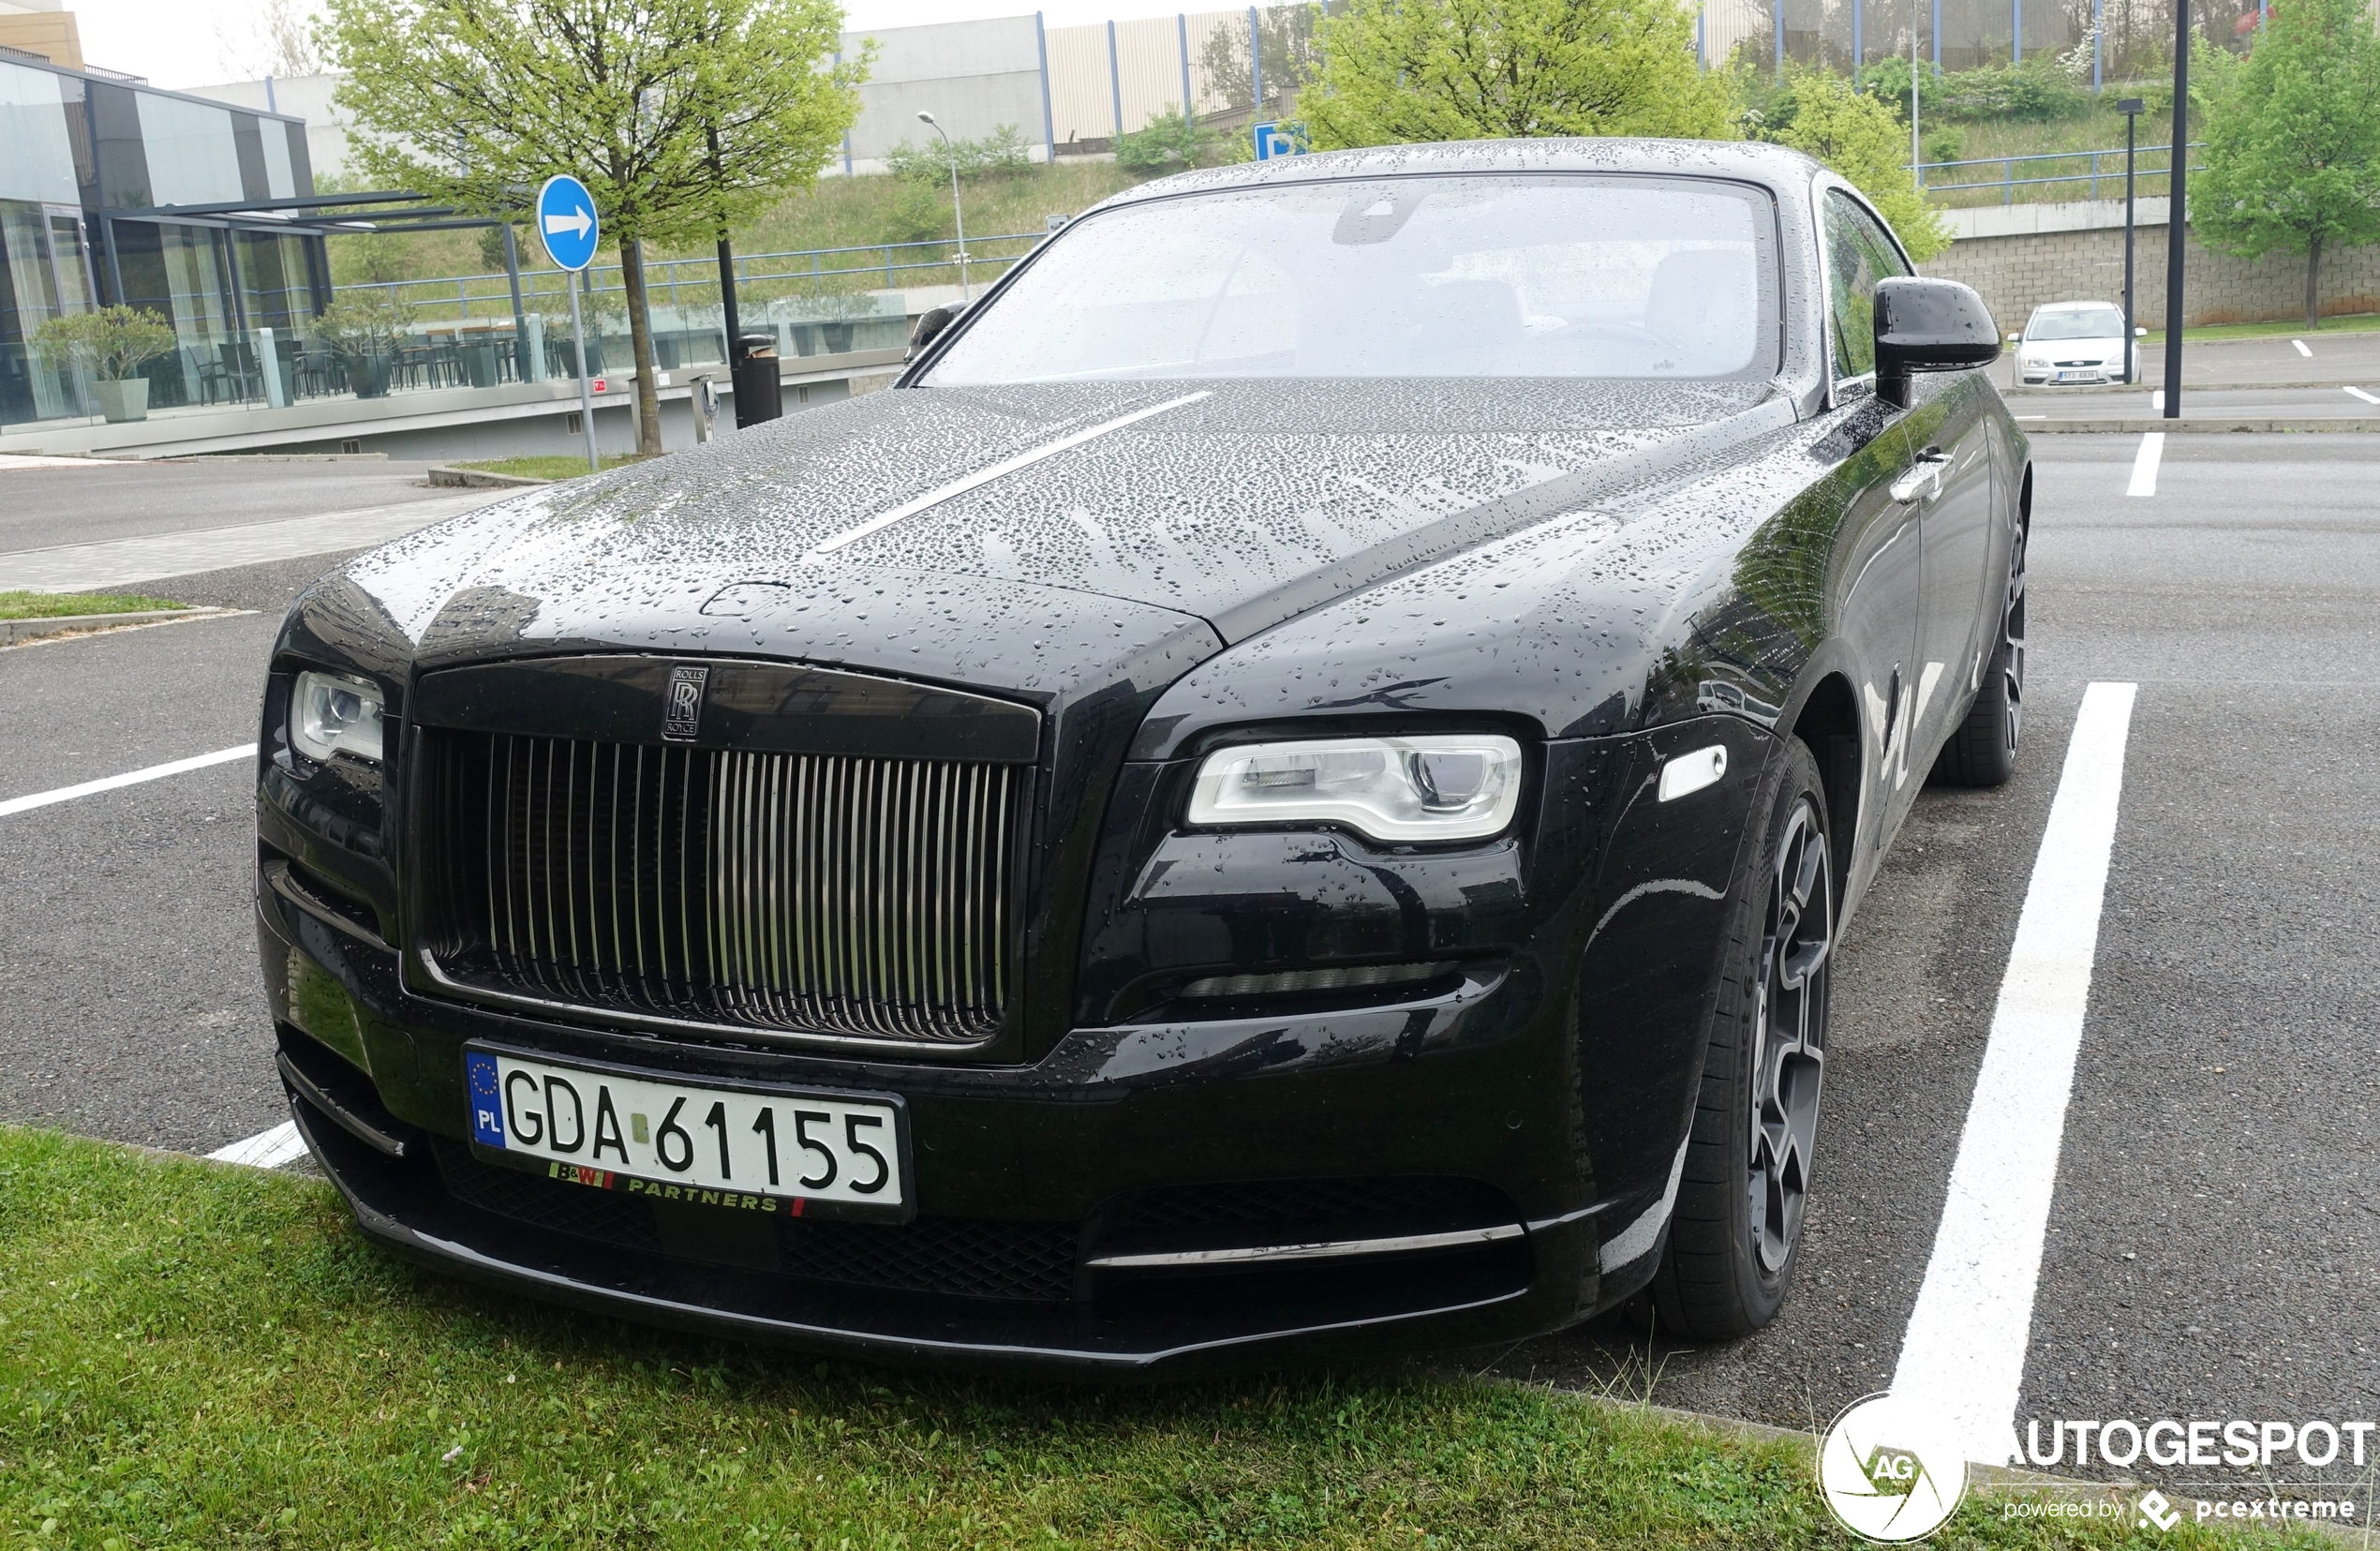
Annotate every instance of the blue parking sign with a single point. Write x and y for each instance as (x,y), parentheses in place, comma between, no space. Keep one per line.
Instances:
(1278,139)
(566,222)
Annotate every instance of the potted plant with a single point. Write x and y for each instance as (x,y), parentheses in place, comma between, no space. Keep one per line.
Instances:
(111,344)
(362,326)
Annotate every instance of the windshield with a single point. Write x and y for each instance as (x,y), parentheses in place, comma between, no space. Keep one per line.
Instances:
(2096,323)
(1437,277)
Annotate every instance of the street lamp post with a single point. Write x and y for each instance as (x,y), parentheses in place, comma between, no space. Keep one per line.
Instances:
(957,210)
(2176,228)
(2131,107)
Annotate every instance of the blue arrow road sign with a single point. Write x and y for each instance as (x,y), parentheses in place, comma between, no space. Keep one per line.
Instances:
(566,221)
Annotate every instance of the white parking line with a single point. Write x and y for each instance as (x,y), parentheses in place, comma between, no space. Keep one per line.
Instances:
(131,778)
(2365,396)
(266,1149)
(1964,1354)
(2302,348)
(2157,400)
(2144,464)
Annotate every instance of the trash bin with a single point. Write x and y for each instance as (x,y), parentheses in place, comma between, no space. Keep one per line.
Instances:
(760,393)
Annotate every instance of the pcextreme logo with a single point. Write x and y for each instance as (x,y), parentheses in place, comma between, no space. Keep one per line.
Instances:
(1890,1472)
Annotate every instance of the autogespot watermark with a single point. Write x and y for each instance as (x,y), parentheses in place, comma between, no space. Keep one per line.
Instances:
(1892,1472)
(2170,1441)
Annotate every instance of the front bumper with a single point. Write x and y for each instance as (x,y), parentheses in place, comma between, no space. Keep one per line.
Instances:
(1502,1153)
(1016,1153)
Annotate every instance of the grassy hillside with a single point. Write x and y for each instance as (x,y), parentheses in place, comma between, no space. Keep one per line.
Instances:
(838,212)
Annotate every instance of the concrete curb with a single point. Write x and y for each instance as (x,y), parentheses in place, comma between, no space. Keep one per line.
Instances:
(2334,385)
(15,631)
(2207,423)
(481,479)
(269,457)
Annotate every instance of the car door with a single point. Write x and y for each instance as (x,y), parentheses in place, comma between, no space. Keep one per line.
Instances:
(1952,456)
(1879,553)
(1949,491)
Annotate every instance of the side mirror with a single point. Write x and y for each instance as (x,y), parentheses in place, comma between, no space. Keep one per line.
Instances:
(2140,334)
(929,326)
(2016,338)
(1928,326)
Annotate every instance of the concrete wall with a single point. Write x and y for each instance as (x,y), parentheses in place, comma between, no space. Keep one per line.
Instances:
(972,76)
(306,97)
(2021,256)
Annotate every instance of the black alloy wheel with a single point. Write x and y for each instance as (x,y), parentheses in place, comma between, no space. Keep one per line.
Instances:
(1983,750)
(1789,1029)
(1744,1187)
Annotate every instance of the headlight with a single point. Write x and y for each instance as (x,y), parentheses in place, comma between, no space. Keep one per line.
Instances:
(332,714)
(1458,786)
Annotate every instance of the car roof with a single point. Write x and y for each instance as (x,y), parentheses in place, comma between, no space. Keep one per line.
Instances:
(1777,166)
(2074,306)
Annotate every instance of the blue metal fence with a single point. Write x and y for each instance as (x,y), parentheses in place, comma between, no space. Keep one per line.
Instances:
(2104,171)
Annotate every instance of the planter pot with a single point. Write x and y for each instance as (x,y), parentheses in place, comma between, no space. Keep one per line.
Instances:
(837,337)
(122,400)
(479,366)
(368,375)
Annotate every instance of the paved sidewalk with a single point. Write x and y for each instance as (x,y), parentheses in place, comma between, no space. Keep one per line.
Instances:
(119,562)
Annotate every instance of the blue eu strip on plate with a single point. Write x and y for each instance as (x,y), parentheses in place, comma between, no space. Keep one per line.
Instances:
(488,1105)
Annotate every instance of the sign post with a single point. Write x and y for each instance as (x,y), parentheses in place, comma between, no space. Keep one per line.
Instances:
(566,224)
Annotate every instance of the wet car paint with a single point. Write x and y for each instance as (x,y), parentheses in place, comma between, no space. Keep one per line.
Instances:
(1616,574)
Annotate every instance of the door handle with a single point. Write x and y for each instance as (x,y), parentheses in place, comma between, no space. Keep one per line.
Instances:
(1925,477)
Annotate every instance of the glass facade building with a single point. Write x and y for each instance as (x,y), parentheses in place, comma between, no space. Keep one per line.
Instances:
(111,191)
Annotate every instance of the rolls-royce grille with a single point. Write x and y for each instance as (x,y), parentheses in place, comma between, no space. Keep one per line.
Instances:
(772,891)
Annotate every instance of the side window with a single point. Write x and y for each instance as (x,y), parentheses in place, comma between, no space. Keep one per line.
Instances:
(1858,254)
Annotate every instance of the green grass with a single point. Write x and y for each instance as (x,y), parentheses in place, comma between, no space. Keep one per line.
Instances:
(2101,130)
(545,468)
(838,212)
(2354,323)
(65,605)
(195,1356)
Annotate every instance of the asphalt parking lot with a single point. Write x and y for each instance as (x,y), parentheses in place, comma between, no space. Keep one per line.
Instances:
(2212,1246)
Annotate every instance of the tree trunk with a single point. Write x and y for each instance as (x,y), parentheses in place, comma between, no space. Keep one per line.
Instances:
(640,335)
(2314,285)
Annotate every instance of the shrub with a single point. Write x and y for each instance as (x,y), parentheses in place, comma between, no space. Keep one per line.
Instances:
(2035,92)
(1171,142)
(364,321)
(111,343)
(1002,151)
(913,214)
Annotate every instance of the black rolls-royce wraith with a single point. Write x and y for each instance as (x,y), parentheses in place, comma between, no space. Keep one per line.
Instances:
(1290,784)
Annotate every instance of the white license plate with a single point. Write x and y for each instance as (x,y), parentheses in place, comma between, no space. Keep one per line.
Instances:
(2076,376)
(770,1150)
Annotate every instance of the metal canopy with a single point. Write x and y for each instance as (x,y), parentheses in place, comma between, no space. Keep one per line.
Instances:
(320,215)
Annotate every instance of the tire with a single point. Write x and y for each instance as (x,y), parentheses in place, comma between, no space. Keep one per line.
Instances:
(1981,751)
(1735,1232)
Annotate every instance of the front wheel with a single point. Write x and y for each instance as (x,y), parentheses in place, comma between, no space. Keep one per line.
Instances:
(1736,1227)
(1981,751)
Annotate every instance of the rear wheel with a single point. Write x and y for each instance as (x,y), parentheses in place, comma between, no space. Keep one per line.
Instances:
(1736,1227)
(1983,752)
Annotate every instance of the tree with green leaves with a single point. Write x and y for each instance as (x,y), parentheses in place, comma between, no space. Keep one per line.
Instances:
(112,343)
(1866,144)
(1391,71)
(2293,148)
(680,115)
(1284,52)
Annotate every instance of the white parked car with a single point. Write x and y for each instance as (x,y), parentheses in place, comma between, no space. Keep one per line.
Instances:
(2074,342)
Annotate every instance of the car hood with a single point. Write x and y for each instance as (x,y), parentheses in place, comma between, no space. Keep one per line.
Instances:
(884,527)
